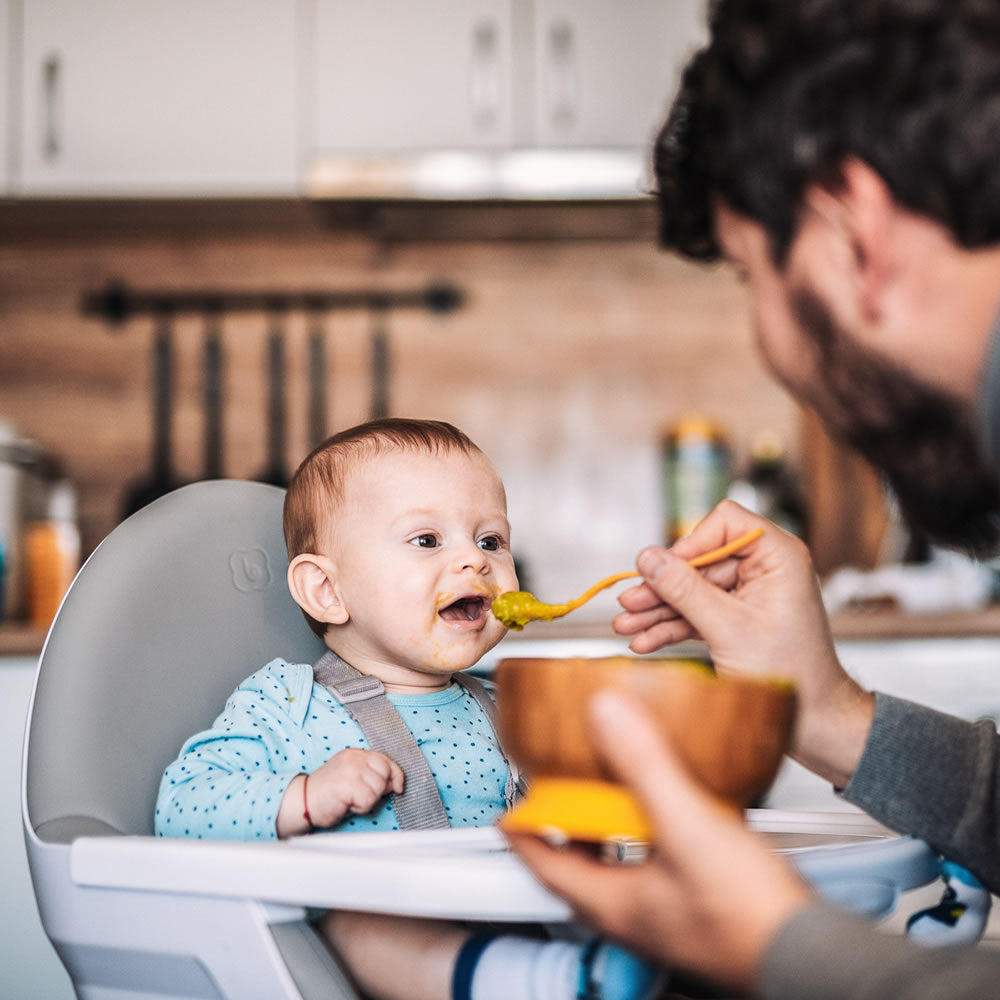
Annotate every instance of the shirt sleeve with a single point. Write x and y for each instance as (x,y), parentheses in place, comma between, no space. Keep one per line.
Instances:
(936,777)
(825,954)
(228,781)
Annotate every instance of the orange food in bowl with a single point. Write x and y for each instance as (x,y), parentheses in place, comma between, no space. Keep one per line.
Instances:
(731,733)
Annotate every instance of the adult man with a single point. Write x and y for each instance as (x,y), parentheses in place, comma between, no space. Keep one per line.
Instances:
(844,156)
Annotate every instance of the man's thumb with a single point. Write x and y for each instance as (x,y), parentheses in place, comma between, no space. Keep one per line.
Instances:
(640,756)
(681,586)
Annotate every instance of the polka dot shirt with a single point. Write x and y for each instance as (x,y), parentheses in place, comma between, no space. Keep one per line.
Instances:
(227,782)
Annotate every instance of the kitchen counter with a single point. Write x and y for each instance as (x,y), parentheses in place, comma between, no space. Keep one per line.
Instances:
(888,624)
(875,624)
(19,639)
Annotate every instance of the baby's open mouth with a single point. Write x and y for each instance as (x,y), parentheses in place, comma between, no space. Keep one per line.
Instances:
(465,609)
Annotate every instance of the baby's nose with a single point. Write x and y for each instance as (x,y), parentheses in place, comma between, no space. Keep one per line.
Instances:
(472,557)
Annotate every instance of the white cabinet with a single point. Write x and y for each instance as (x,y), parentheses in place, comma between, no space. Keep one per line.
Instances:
(605,70)
(490,74)
(6,69)
(402,75)
(158,98)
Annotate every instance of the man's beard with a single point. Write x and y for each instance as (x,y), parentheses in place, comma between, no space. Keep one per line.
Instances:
(923,439)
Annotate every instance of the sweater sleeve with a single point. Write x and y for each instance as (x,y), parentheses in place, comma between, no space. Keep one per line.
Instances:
(825,954)
(936,777)
(228,781)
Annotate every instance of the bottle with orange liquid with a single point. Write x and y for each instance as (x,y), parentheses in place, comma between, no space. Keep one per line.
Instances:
(51,555)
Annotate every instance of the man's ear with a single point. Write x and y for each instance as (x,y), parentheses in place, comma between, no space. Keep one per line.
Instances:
(864,210)
(312,581)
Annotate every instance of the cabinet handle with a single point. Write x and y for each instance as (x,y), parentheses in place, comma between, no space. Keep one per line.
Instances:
(484,90)
(51,100)
(563,76)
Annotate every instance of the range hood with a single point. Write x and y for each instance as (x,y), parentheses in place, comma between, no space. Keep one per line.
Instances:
(507,175)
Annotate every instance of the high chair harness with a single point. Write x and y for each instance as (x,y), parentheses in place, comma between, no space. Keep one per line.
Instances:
(419,807)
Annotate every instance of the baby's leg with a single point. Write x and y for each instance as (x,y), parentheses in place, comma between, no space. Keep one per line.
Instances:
(402,958)
(396,958)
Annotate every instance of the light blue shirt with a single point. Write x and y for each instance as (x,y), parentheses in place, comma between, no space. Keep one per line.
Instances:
(228,781)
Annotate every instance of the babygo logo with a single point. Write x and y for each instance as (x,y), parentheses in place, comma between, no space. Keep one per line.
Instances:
(250,569)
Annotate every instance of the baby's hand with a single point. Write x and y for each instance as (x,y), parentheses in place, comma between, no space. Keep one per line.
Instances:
(351,781)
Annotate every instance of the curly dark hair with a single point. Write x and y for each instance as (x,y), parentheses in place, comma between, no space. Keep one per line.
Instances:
(786,90)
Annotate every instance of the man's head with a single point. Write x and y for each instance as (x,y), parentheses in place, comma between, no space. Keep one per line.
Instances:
(398,542)
(843,156)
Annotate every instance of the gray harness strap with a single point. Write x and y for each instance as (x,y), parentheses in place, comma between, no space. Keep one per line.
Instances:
(419,807)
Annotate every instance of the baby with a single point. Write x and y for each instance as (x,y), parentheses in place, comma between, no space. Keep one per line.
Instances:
(398,542)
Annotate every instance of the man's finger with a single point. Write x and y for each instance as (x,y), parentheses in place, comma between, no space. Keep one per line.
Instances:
(663,634)
(685,589)
(591,887)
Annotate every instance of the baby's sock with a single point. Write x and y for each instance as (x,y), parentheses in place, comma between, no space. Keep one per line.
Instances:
(960,917)
(505,966)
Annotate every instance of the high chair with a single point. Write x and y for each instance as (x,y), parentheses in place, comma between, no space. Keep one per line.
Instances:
(177,605)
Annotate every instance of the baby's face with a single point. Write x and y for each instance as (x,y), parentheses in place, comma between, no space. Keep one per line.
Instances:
(421,547)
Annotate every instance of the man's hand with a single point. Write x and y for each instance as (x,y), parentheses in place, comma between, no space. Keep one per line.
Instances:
(710,898)
(761,614)
(351,781)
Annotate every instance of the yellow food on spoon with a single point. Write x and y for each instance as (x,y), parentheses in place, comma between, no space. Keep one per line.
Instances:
(516,608)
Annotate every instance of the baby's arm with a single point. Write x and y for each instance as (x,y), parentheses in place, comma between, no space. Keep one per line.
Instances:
(351,781)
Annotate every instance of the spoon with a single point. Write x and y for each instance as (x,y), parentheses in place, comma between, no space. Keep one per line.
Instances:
(516,608)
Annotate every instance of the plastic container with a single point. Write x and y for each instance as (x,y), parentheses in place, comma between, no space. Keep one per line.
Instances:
(51,555)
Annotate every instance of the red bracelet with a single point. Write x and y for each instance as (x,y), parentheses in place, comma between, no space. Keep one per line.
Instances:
(305,801)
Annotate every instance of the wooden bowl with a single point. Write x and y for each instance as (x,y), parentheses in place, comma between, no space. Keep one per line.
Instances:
(731,733)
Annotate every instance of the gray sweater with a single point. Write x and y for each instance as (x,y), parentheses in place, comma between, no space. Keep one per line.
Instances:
(934,776)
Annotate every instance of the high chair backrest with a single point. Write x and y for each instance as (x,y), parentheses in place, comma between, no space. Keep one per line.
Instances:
(173,609)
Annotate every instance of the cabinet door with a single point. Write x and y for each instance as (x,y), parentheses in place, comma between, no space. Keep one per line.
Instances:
(605,70)
(400,75)
(161,97)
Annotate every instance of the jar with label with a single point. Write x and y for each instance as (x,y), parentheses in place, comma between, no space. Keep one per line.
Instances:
(696,472)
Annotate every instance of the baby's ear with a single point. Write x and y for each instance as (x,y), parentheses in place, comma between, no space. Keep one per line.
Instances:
(312,581)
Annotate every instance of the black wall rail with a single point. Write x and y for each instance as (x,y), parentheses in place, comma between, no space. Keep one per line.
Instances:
(117,303)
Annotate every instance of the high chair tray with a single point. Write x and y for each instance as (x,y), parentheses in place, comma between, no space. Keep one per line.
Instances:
(469,873)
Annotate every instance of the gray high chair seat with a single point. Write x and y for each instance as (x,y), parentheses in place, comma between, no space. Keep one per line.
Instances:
(175,607)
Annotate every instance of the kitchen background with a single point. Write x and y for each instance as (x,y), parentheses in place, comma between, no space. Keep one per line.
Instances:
(253,147)
(576,342)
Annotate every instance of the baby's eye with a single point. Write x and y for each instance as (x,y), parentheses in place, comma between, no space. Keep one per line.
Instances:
(491,543)
(424,541)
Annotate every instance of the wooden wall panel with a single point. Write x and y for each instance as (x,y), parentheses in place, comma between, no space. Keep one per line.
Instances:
(568,359)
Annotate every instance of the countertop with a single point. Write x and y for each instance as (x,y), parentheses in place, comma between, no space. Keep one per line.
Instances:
(18,639)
